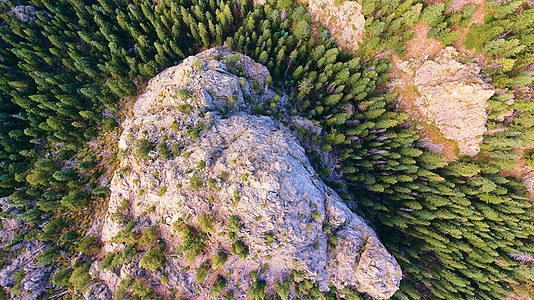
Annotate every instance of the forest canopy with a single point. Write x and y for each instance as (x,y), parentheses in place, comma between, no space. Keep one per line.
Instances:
(460,230)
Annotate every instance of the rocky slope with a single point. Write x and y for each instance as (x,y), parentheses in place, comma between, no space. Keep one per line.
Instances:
(226,162)
(23,273)
(450,95)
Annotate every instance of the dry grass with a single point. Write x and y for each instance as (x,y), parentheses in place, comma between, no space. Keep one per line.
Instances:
(476,18)
(420,46)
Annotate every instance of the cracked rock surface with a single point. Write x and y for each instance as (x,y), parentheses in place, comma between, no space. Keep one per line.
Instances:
(451,95)
(228,162)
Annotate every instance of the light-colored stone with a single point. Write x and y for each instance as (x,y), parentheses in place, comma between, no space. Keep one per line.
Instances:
(450,95)
(98,291)
(343,19)
(35,282)
(271,185)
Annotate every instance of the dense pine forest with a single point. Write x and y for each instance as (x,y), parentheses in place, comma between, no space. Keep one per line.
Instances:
(459,229)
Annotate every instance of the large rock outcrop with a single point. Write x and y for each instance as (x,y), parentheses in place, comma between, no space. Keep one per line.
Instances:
(226,162)
(450,95)
(343,19)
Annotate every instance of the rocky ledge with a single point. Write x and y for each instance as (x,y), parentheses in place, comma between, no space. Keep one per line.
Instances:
(449,94)
(192,148)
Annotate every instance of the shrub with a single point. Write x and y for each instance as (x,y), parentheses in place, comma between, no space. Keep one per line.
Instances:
(149,236)
(316,215)
(80,277)
(283,289)
(528,157)
(183,94)
(65,175)
(163,152)
(201,165)
(86,165)
(143,147)
(217,288)
(100,191)
(191,241)
(269,238)
(240,249)
(119,258)
(257,290)
(212,183)
(176,149)
(206,222)
(69,236)
(62,277)
(107,261)
(175,126)
(234,224)
(193,133)
(143,290)
(202,271)
(219,259)
(76,200)
(153,259)
(162,191)
(195,183)
(48,256)
(302,30)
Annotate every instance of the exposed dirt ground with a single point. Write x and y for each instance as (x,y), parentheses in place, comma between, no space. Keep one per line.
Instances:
(478,18)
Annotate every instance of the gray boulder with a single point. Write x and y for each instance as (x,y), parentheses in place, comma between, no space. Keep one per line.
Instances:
(231,162)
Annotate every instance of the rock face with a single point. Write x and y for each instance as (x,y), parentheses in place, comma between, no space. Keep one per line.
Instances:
(343,19)
(34,283)
(451,95)
(227,162)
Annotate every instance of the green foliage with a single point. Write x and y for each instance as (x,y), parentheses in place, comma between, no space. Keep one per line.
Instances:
(49,255)
(88,246)
(149,236)
(450,227)
(202,271)
(433,14)
(201,165)
(175,126)
(528,157)
(234,224)
(240,249)
(62,277)
(219,259)
(206,222)
(80,277)
(302,30)
(217,288)
(183,94)
(195,183)
(76,200)
(69,236)
(317,215)
(163,152)
(193,243)
(283,288)
(162,191)
(154,258)
(257,290)
(143,147)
